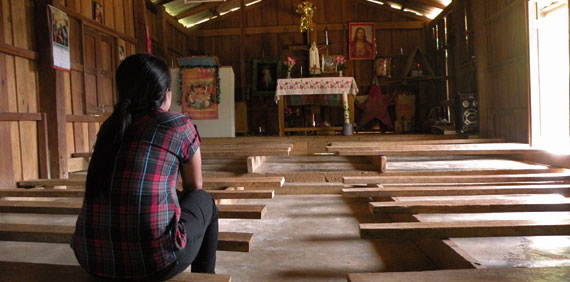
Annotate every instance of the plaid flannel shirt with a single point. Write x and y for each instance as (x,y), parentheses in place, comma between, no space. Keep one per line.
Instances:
(135,231)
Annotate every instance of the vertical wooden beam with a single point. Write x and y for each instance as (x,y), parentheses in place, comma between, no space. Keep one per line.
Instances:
(242,50)
(51,93)
(43,149)
(161,36)
(139,9)
(6,165)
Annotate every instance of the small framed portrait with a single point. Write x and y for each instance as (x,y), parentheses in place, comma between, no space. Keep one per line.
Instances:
(265,73)
(382,66)
(328,63)
(361,41)
(98,11)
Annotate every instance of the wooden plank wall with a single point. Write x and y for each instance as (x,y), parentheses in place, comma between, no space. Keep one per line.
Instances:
(18,92)
(19,75)
(501,49)
(272,27)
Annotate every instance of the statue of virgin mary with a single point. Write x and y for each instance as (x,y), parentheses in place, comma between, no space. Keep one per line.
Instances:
(314,61)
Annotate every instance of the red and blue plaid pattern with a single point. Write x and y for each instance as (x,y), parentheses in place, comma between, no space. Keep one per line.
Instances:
(135,230)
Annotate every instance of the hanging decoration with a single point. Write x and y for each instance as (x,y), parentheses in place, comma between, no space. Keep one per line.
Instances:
(306,9)
(200,88)
(59,30)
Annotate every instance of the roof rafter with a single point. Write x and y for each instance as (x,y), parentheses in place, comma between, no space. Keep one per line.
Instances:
(196,10)
(431,3)
(163,2)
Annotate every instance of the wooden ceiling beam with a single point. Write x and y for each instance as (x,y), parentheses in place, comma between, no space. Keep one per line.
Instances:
(163,2)
(196,10)
(431,3)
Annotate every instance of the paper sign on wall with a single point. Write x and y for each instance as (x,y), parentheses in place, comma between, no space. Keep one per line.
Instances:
(59,30)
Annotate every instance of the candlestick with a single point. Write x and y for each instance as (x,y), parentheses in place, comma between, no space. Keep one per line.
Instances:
(326,37)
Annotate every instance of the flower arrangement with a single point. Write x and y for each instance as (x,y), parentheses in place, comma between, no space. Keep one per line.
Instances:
(339,60)
(290,62)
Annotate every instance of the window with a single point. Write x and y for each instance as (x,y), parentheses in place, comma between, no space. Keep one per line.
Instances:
(549,70)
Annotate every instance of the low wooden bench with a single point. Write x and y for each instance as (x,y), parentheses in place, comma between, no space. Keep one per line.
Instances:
(418,179)
(41,272)
(561,273)
(52,207)
(79,193)
(453,190)
(209,182)
(462,229)
(227,241)
(471,206)
(441,149)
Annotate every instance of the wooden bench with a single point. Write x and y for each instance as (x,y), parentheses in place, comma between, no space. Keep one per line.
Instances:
(471,206)
(51,207)
(375,144)
(79,193)
(227,241)
(41,272)
(452,190)
(418,179)
(469,275)
(462,229)
(209,182)
(441,149)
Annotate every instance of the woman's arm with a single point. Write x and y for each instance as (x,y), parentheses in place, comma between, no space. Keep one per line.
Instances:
(191,172)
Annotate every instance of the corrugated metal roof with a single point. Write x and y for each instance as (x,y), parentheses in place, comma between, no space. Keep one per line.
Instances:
(426,8)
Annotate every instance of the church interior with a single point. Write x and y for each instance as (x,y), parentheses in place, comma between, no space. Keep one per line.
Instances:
(342,140)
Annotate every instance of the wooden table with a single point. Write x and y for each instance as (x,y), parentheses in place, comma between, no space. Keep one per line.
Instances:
(314,86)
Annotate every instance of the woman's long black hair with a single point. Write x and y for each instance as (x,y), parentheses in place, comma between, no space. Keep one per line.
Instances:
(142,82)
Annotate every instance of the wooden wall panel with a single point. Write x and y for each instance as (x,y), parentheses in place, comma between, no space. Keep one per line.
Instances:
(503,70)
(119,15)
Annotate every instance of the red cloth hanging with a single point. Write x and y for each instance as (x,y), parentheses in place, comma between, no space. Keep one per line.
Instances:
(376,107)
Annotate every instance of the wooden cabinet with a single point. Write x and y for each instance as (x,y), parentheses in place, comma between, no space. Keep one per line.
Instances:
(100,62)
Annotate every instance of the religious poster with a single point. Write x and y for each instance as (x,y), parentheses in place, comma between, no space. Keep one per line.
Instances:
(59,30)
(361,45)
(200,88)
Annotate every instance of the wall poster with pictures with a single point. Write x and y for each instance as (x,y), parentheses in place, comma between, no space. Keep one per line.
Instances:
(265,73)
(361,41)
(200,88)
(59,30)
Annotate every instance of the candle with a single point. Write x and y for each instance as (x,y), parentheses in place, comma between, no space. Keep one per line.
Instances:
(326,37)
(346,109)
(301,71)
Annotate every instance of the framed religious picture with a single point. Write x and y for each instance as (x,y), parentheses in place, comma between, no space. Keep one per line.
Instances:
(122,52)
(328,63)
(361,41)
(98,11)
(265,73)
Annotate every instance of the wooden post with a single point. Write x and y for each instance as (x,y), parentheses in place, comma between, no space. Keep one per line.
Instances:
(242,51)
(51,93)
(139,9)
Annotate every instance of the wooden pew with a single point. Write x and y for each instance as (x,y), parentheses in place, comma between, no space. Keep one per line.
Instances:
(416,142)
(41,272)
(209,182)
(462,229)
(561,273)
(51,207)
(79,193)
(456,178)
(227,241)
(441,149)
(453,190)
(471,206)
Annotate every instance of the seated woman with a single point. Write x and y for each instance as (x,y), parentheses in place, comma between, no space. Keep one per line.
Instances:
(133,225)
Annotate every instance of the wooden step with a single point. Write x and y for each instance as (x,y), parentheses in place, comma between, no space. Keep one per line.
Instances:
(227,241)
(456,178)
(461,229)
(453,191)
(41,272)
(561,273)
(444,149)
(79,193)
(471,206)
(53,207)
(209,182)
